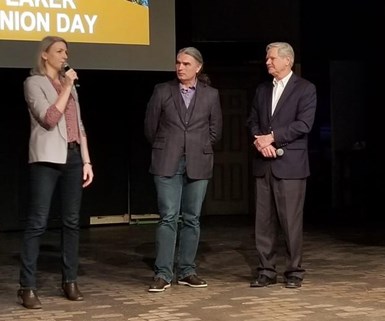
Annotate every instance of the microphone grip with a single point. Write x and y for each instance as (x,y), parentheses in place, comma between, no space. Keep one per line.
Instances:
(279,152)
(76,81)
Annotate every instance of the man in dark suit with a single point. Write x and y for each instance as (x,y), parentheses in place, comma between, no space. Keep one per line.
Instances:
(281,117)
(183,121)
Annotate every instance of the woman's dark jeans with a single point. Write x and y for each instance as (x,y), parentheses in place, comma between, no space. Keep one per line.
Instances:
(44,179)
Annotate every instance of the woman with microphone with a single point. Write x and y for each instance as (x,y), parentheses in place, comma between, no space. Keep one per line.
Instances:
(58,158)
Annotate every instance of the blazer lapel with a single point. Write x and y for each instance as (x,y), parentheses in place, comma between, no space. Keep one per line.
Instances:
(269,100)
(286,92)
(178,100)
(196,100)
(180,105)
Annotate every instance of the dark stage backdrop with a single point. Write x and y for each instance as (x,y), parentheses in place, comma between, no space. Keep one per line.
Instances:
(113,105)
(233,39)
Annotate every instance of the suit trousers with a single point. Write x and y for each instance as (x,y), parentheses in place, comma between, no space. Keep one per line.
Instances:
(279,208)
(179,200)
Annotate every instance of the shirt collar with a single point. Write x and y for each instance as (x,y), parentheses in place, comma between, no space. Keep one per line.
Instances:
(190,88)
(284,80)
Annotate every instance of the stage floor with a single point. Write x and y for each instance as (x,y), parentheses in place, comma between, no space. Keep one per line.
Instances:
(345,277)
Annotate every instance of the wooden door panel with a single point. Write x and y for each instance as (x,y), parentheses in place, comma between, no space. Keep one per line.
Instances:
(228,190)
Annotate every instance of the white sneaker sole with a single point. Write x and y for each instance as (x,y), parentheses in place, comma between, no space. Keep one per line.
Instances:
(160,290)
(192,285)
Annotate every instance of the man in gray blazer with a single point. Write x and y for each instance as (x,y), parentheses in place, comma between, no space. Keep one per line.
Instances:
(281,117)
(182,123)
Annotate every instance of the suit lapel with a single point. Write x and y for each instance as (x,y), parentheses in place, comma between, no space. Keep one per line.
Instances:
(270,100)
(195,100)
(178,100)
(286,92)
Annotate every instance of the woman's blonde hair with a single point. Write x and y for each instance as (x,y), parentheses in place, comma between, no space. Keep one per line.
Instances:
(45,44)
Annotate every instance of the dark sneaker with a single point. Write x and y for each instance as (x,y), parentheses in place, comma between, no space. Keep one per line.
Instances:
(262,281)
(193,281)
(159,285)
(293,282)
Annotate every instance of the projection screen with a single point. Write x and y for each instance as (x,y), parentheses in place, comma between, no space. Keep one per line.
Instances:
(102,34)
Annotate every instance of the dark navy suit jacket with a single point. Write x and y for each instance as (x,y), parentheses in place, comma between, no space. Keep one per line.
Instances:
(291,122)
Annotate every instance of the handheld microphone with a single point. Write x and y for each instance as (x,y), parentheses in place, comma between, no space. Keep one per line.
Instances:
(67,67)
(279,151)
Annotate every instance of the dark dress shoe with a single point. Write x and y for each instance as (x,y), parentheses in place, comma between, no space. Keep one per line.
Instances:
(263,280)
(71,291)
(29,299)
(293,282)
(159,285)
(194,281)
